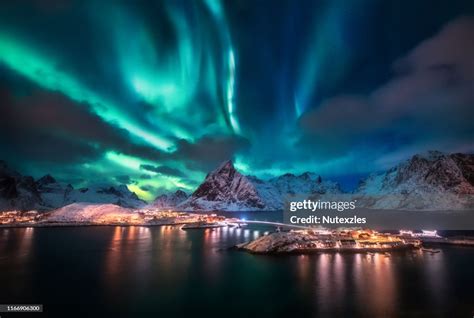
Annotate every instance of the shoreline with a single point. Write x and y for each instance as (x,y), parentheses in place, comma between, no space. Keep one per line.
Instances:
(442,241)
(44,225)
(405,248)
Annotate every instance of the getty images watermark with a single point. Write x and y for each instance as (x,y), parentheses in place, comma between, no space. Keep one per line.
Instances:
(346,211)
(319,205)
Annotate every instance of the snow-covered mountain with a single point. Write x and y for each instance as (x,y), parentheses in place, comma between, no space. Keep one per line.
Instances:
(226,189)
(17,191)
(57,194)
(92,213)
(430,181)
(165,201)
(118,195)
(53,194)
(24,193)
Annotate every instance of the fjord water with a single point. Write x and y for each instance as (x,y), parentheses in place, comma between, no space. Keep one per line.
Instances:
(169,272)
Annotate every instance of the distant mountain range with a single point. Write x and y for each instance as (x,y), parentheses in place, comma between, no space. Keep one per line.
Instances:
(169,201)
(227,189)
(431,181)
(18,192)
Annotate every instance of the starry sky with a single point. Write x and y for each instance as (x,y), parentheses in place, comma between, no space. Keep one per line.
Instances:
(155,94)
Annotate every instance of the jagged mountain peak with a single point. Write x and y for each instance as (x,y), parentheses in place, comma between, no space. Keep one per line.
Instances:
(227,189)
(226,165)
(306,176)
(17,191)
(46,179)
(435,169)
(224,169)
(430,155)
(24,193)
(169,200)
(101,193)
(432,180)
(180,193)
(310,176)
(6,170)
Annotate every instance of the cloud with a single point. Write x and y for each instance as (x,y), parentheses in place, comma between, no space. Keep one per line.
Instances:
(209,151)
(29,133)
(48,126)
(124,179)
(163,170)
(437,75)
(429,100)
(148,188)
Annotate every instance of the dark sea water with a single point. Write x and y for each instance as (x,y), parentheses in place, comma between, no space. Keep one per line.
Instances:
(168,272)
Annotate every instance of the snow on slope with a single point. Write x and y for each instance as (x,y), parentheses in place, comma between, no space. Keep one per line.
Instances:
(57,194)
(226,189)
(430,181)
(92,213)
(166,201)
(18,192)
(54,194)
(119,195)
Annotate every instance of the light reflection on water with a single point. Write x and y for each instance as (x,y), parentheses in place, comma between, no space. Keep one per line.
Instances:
(436,274)
(332,275)
(122,257)
(168,264)
(19,239)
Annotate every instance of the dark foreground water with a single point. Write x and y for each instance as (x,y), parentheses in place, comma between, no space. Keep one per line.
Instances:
(168,272)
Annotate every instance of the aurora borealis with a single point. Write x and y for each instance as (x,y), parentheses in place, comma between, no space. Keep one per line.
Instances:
(154,94)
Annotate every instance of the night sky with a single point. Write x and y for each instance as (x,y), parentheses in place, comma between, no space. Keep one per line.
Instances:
(155,94)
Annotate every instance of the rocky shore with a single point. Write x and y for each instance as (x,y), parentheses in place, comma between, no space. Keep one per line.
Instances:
(303,242)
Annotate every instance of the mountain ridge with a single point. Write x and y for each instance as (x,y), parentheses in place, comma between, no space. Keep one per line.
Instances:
(432,180)
(227,189)
(426,181)
(18,192)
(166,201)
